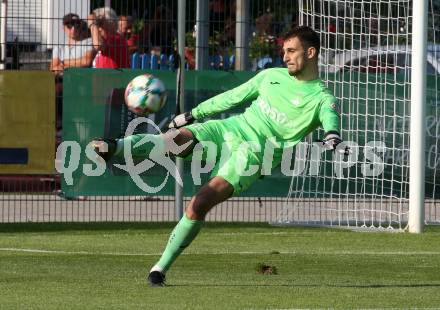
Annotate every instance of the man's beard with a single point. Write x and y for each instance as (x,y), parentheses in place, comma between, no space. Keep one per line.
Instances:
(298,71)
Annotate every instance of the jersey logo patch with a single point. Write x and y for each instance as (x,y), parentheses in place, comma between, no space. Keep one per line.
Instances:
(274,83)
(335,107)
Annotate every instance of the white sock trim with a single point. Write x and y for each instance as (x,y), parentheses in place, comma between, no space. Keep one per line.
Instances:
(157,268)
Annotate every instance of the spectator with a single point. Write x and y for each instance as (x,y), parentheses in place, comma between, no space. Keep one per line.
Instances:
(78,52)
(125,29)
(228,35)
(217,15)
(219,12)
(159,33)
(190,57)
(112,48)
(264,24)
(264,45)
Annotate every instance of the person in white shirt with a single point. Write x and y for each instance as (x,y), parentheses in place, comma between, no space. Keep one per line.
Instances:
(78,51)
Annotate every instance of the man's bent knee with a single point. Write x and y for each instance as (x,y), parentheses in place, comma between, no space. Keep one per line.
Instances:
(180,141)
(216,191)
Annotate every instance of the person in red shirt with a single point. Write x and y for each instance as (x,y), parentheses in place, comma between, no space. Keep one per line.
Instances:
(112,48)
(125,29)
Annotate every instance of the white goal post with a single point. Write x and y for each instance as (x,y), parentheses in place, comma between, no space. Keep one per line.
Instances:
(373,57)
(418,91)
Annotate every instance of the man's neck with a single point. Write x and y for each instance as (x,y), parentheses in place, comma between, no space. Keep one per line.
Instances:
(71,41)
(308,75)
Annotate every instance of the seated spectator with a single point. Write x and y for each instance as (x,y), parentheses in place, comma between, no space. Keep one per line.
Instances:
(264,23)
(190,57)
(112,48)
(217,15)
(227,37)
(125,29)
(78,51)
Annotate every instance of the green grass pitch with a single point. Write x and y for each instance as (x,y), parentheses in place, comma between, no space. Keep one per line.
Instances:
(104,266)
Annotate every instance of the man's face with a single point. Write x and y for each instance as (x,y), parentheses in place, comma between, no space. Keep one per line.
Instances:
(294,56)
(69,31)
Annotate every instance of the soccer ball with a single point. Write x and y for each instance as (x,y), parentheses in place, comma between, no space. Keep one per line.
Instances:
(145,94)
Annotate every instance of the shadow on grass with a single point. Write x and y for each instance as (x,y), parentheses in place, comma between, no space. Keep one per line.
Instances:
(109,226)
(114,226)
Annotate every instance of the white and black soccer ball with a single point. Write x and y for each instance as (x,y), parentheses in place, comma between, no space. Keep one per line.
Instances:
(145,94)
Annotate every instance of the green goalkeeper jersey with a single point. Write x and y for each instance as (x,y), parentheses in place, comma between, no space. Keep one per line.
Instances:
(282,106)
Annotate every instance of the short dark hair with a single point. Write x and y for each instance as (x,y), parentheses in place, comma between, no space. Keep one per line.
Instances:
(71,20)
(307,36)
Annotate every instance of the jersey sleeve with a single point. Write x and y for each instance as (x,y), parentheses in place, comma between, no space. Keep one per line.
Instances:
(330,115)
(247,91)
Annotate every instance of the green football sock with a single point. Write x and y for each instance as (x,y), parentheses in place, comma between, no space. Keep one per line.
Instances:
(183,234)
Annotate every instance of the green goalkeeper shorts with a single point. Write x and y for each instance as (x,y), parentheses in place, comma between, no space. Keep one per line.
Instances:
(235,161)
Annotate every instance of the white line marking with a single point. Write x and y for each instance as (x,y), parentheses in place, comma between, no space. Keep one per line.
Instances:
(253,233)
(220,253)
(76,252)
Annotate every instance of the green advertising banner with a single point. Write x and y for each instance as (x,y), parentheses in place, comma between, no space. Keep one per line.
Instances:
(93,107)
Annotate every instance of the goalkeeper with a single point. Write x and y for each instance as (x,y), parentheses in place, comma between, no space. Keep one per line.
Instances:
(288,103)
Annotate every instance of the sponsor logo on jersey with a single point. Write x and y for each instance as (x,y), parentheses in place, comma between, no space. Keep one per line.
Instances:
(274,114)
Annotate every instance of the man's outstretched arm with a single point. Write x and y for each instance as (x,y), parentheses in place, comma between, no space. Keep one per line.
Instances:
(245,92)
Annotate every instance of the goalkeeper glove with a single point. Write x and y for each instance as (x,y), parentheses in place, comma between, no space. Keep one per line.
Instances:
(331,140)
(181,120)
(105,147)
